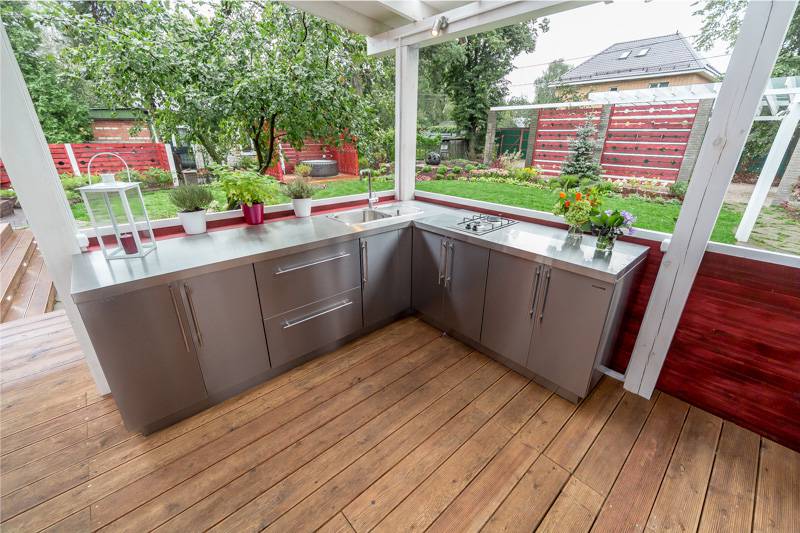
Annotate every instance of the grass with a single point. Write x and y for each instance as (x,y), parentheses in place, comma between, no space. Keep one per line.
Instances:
(159,206)
(650,214)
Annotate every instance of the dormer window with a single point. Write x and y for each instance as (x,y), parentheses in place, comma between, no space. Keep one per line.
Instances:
(625,54)
(642,52)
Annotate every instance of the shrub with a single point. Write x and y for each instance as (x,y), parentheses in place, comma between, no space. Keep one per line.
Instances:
(455,170)
(426,168)
(679,189)
(7,193)
(247,162)
(299,188)
(122,175)
(441,171)
(247,187)
(188,198)
(565,182)
(303,170)
(525,174)
(157,177)
(469,168)
(363,162)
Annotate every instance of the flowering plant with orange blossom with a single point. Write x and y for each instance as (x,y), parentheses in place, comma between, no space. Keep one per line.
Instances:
(577,207)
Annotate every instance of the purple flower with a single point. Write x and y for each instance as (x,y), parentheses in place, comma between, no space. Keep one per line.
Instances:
(608,212)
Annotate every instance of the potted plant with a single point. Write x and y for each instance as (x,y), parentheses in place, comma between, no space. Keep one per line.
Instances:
(609,225)
(251,190)
(192,202)
(577,208)
(300,190)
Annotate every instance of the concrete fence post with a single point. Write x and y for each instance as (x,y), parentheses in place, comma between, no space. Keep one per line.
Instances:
(791,176)
(491,129)
(696,135)
(602,132)
(531,137)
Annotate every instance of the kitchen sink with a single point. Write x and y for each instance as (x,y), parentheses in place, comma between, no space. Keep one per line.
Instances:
(367,215)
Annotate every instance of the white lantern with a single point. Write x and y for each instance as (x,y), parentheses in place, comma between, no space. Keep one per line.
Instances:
(118,207)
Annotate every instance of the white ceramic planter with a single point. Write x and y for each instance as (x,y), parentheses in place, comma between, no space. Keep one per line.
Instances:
(302,207)
(194,222)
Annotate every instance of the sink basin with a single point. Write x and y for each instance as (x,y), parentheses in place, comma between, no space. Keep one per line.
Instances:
(366,216)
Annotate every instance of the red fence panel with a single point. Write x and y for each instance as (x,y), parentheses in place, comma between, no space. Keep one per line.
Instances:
(139,156)
(555,128)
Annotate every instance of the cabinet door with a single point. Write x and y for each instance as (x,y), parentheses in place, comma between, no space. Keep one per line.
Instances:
(570,317)
(225,320)
(143,344)
(386,275)
(508,312)
(427,273)
(464,287)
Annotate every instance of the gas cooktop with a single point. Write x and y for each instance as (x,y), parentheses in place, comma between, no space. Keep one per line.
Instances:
(481,224)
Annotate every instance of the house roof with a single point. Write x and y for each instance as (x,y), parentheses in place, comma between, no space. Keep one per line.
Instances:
(664,55)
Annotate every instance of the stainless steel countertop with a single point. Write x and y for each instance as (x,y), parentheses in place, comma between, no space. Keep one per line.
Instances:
(93,277)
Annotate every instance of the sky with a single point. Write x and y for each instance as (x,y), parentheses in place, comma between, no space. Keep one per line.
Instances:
(588,30)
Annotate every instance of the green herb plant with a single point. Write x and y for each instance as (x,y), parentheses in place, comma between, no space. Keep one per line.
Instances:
(189,198)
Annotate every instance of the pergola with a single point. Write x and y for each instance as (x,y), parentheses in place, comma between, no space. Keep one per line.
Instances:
(402,27)
(780,102)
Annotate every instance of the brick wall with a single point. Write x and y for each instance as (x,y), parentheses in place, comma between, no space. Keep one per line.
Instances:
(119,130)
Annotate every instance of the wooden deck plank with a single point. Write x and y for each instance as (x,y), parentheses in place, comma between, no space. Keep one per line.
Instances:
(602,463)
(778,495)
(628,505)
(732,488)
(26,285)
(680,500)
(337,524)
(574,510)
(285,449)
(572,443)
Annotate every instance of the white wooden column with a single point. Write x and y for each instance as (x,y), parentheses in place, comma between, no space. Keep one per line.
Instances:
(760,38)
(405,121)
(27,158)
(769,171)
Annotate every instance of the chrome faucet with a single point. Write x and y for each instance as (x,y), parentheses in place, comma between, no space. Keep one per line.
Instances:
(371,200)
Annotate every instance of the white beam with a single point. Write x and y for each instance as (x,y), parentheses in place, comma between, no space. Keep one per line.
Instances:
(769,171)
(760,38)
(405,121)
(25,154)
(469,19)
(341,15)
(413,10)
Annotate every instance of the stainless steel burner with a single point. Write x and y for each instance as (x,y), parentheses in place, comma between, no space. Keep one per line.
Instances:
(481,224)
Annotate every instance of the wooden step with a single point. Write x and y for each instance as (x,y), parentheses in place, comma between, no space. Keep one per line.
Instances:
(14,268)
(6,231)
(43,299)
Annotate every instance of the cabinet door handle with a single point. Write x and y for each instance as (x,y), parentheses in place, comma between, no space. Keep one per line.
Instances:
(281,270)
(449,263)
(442,260)
(546,292)
(180,320)
(536,289)
(364,263)
(291,323)
(192,312)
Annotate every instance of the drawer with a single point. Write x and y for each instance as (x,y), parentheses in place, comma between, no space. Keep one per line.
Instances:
(312,326)
(293,281)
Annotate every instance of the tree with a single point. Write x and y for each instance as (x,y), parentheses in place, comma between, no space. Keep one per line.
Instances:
(244,73)
(546,93)
(580,161)
(513,119)
(58,98)
(471,71)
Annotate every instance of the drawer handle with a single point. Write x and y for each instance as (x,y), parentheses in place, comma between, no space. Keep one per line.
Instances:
(192,312)
(180,321)
(536,290)
(546,292)
(291,323)
(340,255)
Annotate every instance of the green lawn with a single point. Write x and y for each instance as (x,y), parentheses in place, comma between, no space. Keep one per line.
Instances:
(159,206)
(650,215)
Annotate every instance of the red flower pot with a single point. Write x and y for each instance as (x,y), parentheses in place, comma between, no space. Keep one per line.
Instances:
(253,214)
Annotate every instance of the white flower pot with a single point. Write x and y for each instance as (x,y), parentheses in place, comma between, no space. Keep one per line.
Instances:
(302,207)
(194,222)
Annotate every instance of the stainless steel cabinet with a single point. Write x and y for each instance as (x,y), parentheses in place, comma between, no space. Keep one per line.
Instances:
(386,275)
(225,321)
(143,344)
(449,281)
(570,317)
(508,316)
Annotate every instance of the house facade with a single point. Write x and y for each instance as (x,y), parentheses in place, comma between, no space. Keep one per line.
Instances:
(661,61)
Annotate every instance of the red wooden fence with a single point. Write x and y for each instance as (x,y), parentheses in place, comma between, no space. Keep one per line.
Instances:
(346,155)
(139,156)
(642,141)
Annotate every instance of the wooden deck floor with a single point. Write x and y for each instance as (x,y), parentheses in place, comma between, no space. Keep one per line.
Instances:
(401,430)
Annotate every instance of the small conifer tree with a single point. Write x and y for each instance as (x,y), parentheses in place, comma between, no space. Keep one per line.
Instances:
(581,161)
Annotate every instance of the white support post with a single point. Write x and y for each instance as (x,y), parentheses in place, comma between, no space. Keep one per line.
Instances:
(28,161)
(769,170)
(405,121)
(72,161)
(171,163)
(760,38)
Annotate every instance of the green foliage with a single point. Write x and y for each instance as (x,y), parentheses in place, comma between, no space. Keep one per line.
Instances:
(426,168)
(679,188)
(580,161)
(524,174)
(188,198)
(545,94)
(247,187)
(612,222)
(122,175)
(441,170)
(428,142)
(248,162)
(157,177)
(299,188)
(472,71)
(565,182)
(303,170)
(59,97)
(456,170)
(469,168)
(8,193)
(515,119)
